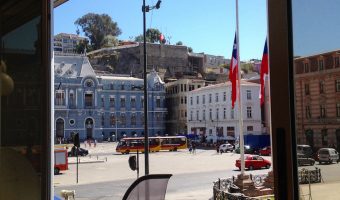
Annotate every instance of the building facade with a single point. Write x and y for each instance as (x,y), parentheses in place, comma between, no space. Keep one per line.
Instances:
(66,43)
(176,100)
(101,107)
(210,114)
(317,99)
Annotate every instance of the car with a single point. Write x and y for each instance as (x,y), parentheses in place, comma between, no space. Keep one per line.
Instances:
(266,151)
(328,155)
(253,162)
(302,159)
(247,150)
(305,150)
(81,152)
(226,147)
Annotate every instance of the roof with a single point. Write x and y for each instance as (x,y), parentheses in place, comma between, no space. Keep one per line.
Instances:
(73,66)
(225,84)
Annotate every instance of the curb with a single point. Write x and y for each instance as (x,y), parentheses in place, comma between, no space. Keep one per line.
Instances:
(87,162)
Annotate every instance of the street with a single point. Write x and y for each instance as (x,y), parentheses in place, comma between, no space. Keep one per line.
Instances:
(193,174)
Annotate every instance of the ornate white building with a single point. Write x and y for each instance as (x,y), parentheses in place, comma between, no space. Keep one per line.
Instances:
(211,117)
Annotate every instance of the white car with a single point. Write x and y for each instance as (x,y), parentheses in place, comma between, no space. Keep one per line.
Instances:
(226,147)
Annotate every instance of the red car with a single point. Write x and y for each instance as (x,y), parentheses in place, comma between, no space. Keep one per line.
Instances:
(266,151)
(253,162)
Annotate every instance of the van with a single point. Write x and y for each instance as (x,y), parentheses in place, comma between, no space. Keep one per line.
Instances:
(304,149)
(328,155)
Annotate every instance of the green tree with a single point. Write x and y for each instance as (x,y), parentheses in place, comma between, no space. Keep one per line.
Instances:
(96,27)
(190,49)
(247,67)
(152,35)
(179,43)
(109,41)
(82,45)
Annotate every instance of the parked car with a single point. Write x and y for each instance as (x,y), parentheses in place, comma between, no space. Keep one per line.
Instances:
(266,151)
(328,155)
(253,162)
(247,149)
(305,150)
(226,147)
(302,159)
(81,152)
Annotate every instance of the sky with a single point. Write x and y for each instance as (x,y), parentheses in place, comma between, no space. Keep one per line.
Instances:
(205,25)
(316,26)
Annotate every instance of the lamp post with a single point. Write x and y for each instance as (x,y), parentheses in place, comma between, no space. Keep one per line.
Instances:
(146,134)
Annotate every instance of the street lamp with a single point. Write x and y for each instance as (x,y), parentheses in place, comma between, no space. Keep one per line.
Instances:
(146,134)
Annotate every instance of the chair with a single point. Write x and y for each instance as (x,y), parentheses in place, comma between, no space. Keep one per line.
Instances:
(148,187)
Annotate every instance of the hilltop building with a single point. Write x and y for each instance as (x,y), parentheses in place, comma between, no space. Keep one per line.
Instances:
(66,43)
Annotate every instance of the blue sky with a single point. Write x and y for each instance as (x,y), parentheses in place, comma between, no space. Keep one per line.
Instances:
(207,26)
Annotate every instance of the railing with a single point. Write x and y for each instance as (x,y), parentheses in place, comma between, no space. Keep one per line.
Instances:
(307,176)
(224,189)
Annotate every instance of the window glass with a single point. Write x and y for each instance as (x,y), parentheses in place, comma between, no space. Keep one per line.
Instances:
(318,128)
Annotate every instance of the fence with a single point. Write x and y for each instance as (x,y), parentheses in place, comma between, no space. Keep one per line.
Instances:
(307,176)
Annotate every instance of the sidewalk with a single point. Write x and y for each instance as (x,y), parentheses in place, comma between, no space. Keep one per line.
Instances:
(326,191)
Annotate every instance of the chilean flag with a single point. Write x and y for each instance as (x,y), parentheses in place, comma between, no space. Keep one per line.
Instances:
(263,71)
(233,72)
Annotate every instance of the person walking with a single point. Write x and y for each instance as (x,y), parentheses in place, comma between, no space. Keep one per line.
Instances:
(193,148)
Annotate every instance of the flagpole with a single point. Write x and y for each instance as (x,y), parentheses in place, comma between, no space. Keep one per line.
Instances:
(241,138)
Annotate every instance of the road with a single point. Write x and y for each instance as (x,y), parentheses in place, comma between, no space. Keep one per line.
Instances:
(192,179)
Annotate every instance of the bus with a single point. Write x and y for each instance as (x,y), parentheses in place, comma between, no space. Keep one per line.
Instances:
(173,143)
(134,144)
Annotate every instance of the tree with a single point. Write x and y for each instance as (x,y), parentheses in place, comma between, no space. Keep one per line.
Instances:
(179,43)
(110,41)
(96,27)
(82,45)
(152,35)
(247,67)
(190,50)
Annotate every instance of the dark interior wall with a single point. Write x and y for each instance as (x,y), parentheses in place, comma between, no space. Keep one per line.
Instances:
(25,93)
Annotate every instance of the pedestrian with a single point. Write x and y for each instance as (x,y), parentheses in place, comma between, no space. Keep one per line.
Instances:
(95,143)
(193,148)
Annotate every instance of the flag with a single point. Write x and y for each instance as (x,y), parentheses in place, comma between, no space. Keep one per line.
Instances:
(233,72)
(161,38)
(263,71)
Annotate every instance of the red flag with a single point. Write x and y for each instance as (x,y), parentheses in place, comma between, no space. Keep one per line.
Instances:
(161,38)
(233,72)
(263,71)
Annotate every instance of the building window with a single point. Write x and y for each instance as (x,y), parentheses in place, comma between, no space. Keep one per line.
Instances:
(203,99)
(60,98)
(216,97)
(102,99)
(197,115)
(217,114)
(324,138)
(181,87)
(250,128)
(191,101)
(338,109)
(306,89)
(112,102)
(197,100)
(337,85)
(102,120)
(182,100)
(191,113)
(232,113)
(248,95)
(133,102)
(71,99)
(203,114)
(185,87)
(210,132)
(210,98)
(224,113)
(321,86)
(122,119)
(210,114)
(336,61)
(224,96)
(306,68)
(112,120)
(322,111)
(230,131)
(249,115)
(308,113)
(133,119)
(142,102)
(122,102)
(185,100)
(158,117)
(321,65)
(158,102)
(142,118)
(88,100)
